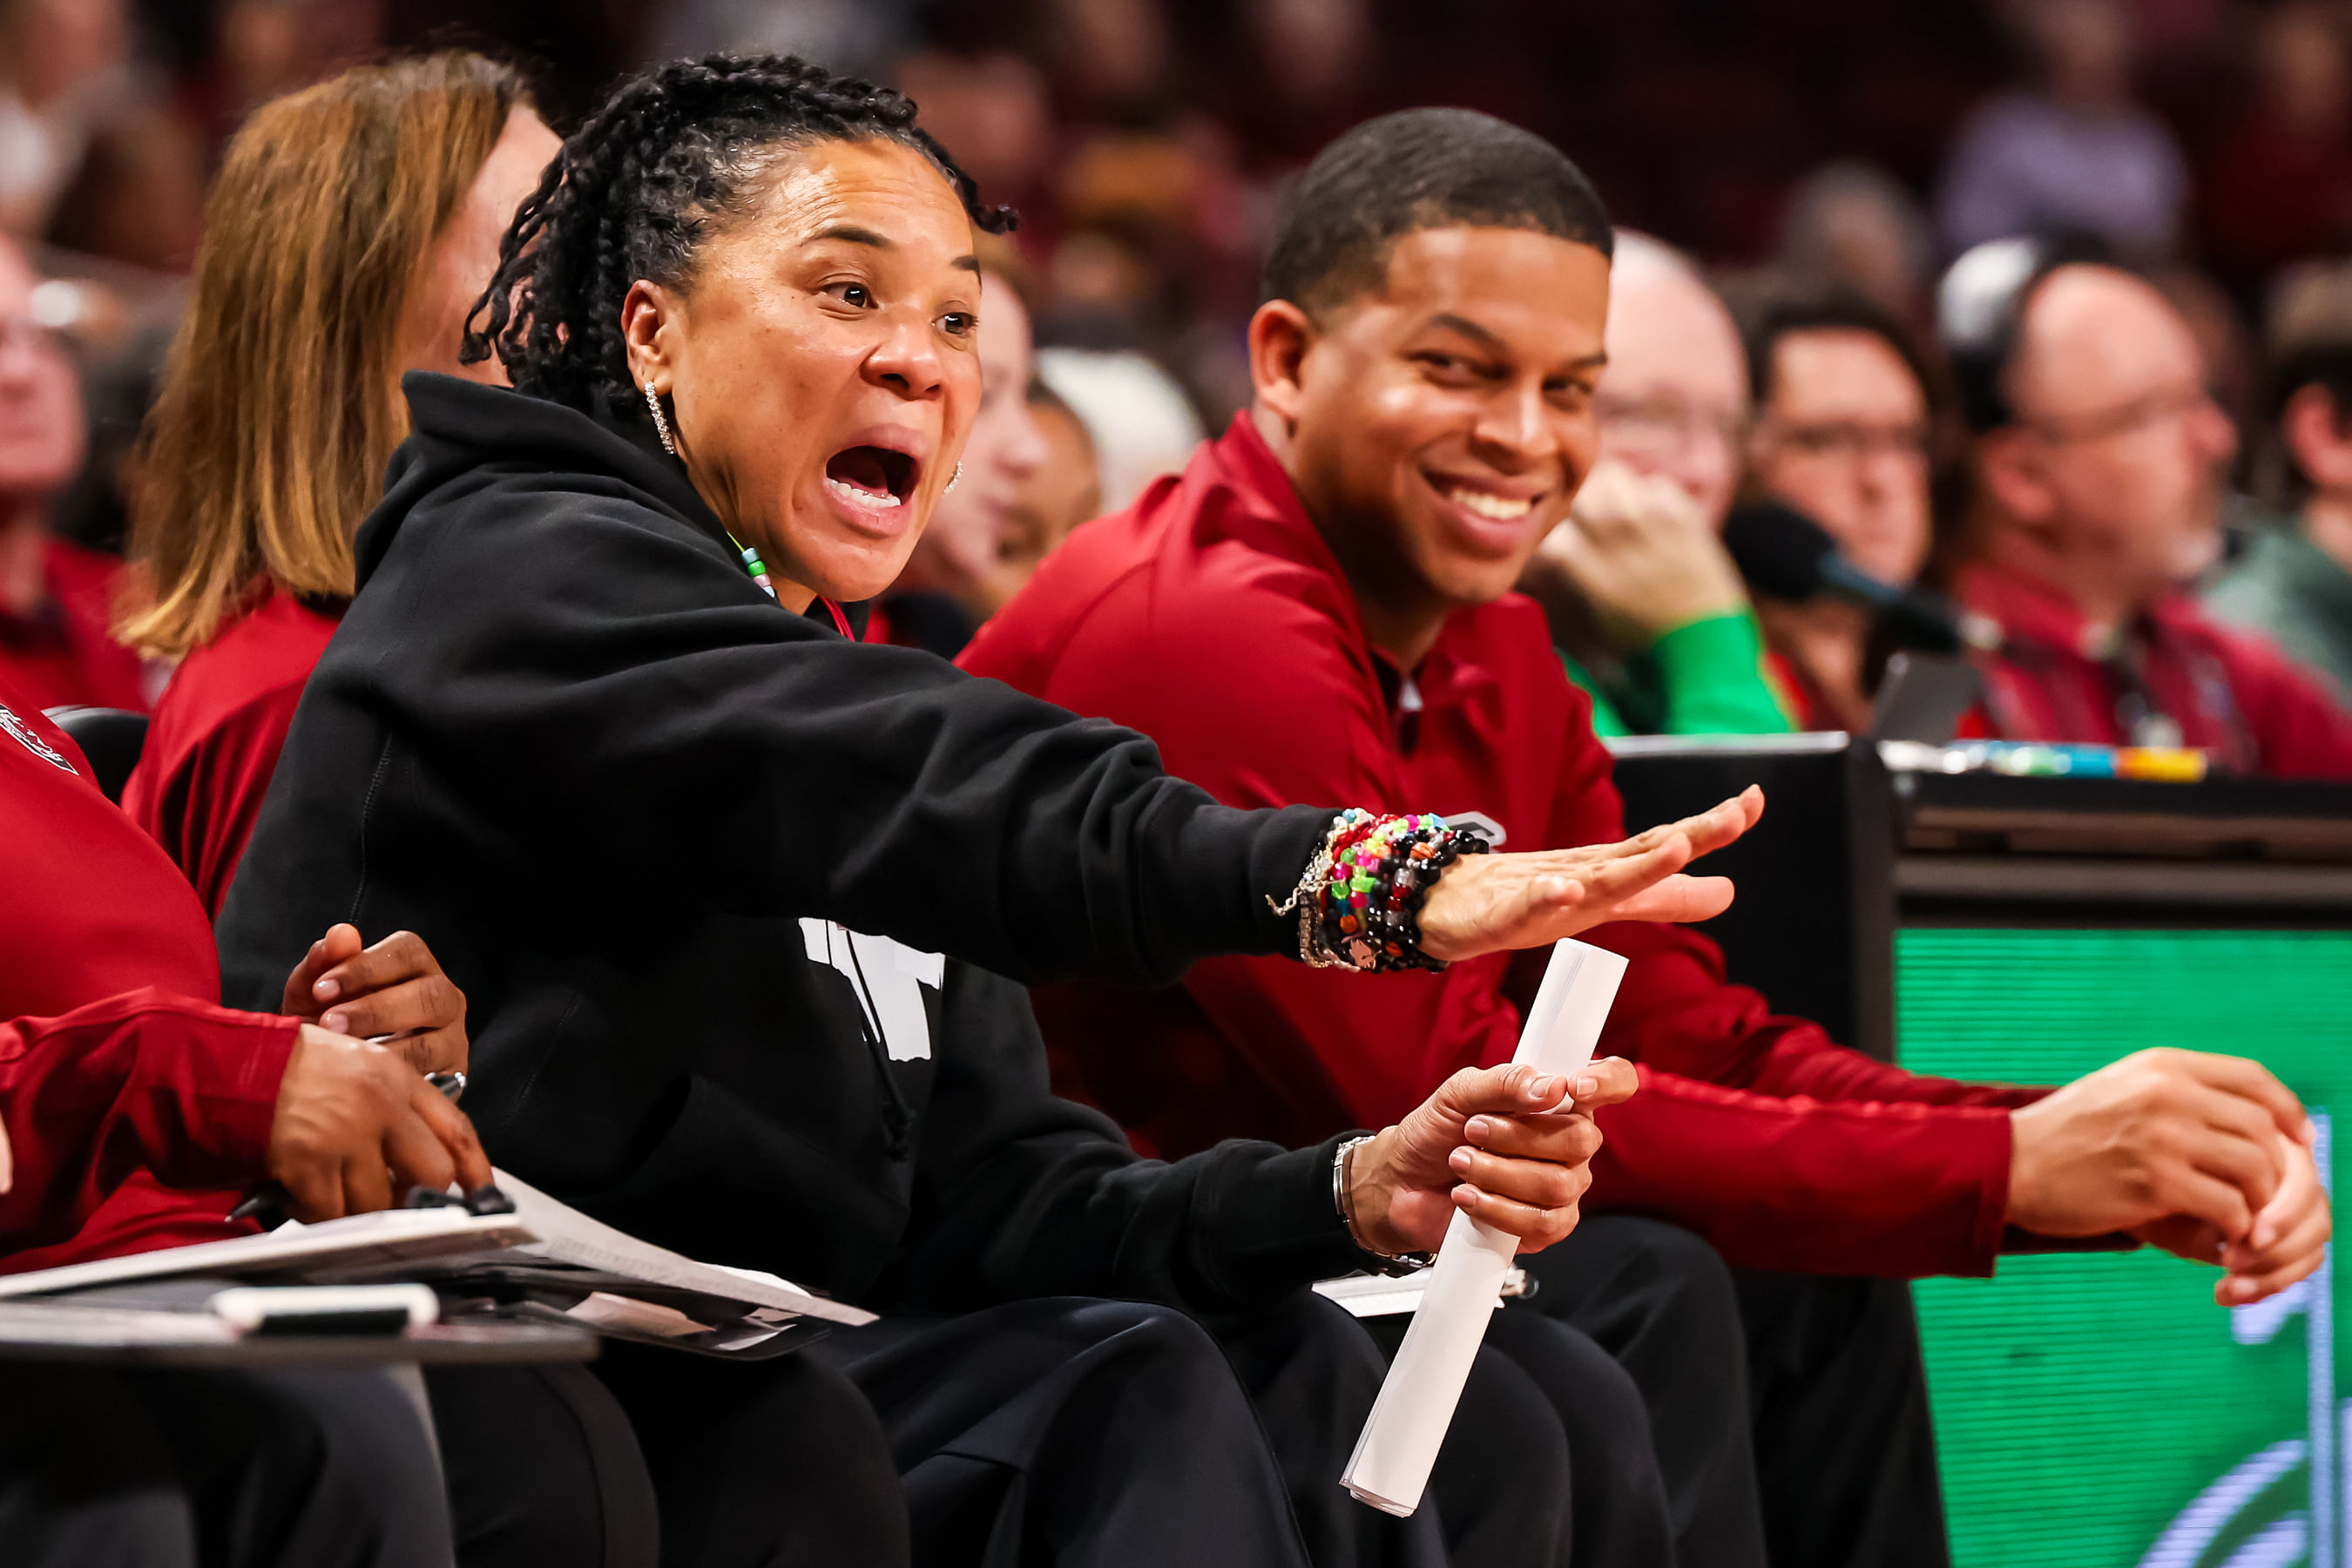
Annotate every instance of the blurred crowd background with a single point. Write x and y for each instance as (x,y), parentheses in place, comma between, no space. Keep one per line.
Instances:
(1147,144)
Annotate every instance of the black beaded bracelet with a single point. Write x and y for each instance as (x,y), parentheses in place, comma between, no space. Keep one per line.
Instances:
(1360,901)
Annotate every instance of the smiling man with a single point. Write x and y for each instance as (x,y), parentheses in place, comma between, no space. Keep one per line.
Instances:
(1319,608)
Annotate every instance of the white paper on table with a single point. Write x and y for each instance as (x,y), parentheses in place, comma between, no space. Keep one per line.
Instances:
(1390,1469)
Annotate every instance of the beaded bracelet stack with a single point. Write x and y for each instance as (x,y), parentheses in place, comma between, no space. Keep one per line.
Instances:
(1358,903)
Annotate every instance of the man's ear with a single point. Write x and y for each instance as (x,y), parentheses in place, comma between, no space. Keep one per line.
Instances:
(645,311)
(2312,426)
(2010,467)
(1280,334)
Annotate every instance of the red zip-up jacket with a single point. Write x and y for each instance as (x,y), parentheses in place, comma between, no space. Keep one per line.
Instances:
(134,1106)
(2228,692)
(1212,616)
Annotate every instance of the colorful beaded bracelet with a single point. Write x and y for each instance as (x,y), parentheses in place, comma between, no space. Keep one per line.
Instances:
(1358,902)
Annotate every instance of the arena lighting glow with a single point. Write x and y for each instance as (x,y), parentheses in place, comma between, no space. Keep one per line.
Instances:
(2100,1410)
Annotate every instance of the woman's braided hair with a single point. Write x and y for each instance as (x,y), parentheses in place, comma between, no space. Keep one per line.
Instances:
(675,152)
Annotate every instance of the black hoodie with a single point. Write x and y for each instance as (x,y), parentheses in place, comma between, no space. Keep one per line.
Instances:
(624,795)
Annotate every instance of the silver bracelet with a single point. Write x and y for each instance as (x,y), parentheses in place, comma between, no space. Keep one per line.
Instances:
(1340,1184)
(1303,899)
(1398,1263)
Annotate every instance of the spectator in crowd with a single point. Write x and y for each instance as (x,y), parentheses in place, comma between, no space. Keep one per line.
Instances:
(352,226)
(251,51)
(56,597)
(2072,151)
(1425,364)
(2098,469)
(1060,493)
(2294,582)
(1842,434)
(2281,187)
(941,597)
(64,66)
(1647,607)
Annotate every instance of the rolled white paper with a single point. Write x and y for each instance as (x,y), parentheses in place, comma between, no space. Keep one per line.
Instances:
(1390,1469)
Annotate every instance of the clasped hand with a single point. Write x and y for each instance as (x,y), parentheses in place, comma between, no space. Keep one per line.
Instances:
(1507,1145)
(2206,1156)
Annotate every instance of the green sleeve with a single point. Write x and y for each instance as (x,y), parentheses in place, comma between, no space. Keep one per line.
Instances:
(1712,672)
(1605,719)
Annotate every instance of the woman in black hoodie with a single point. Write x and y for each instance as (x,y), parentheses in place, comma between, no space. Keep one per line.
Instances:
(597,725)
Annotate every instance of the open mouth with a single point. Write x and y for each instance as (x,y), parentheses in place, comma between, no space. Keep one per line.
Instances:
(875,478)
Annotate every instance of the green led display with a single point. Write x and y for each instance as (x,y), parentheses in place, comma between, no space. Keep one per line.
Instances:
(2100,1411)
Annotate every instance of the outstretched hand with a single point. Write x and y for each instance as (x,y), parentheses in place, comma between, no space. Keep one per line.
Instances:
(1506,1145)
(393,992)
(1486,903)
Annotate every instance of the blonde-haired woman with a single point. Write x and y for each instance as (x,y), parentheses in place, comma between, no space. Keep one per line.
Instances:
(351,226)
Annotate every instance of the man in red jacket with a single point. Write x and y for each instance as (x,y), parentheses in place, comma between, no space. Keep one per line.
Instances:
(1319,608)
(2098,462)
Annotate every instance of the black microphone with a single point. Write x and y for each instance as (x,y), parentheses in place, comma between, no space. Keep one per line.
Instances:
(1784,555)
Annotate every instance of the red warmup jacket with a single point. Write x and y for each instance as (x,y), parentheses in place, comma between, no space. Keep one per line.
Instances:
(2231,693)
(62,655)
(214,739)
(115,1080)
(1212,616)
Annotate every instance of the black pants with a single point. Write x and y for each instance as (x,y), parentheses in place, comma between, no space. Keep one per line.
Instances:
(1069,1431)
(1789,1411)
(1113,1432)
(1549,1459)
(1074,1432)
(247,1469)
(543,1468)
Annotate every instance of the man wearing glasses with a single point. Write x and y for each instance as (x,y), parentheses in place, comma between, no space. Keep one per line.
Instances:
(2098,470)
(1842,435)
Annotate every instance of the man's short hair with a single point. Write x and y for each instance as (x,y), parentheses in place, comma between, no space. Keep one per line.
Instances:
(1779,308)
(1419,168)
